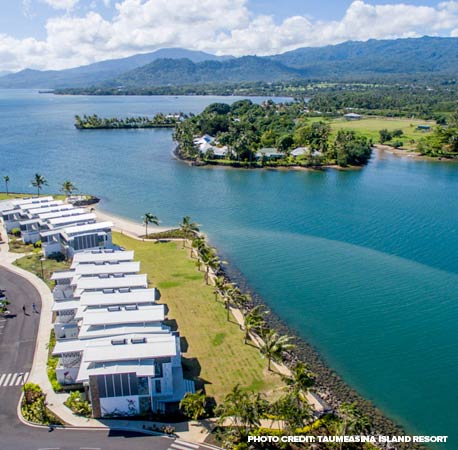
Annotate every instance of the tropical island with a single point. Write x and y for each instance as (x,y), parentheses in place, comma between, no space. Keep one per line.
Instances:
(95,122)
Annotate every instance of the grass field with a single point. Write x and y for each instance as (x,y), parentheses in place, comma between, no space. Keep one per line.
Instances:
(32,263)
(371,126)
(11,195)
(213,350)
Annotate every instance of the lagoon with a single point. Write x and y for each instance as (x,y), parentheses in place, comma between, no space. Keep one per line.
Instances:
(362,264)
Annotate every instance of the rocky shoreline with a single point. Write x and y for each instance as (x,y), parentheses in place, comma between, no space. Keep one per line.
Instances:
(328,384)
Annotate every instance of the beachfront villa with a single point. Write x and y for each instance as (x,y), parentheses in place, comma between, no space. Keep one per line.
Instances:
(207,145)
(111,337)
(61,227)
(353,116)
(110,332)
(269,153)
(299,151)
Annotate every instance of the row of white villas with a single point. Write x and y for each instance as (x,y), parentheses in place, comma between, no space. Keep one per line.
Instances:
(61,227)
(111,337)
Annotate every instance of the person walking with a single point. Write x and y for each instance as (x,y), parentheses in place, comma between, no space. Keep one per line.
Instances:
(34,308)
(23,309)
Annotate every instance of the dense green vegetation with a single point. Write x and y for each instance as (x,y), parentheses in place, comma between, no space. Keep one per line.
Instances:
(158,121)
(33,406)
(246,129)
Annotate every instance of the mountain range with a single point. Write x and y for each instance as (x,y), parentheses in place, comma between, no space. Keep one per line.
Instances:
(374,59)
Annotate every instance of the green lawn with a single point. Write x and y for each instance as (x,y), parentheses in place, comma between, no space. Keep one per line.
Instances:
(11,195)
(371,126)
(32,263)
(213,349)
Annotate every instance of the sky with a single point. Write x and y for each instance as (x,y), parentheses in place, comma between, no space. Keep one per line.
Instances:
(57,34)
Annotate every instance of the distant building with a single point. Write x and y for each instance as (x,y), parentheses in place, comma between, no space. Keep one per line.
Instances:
(353,116)
(424,128)
(269,153)
(299,151)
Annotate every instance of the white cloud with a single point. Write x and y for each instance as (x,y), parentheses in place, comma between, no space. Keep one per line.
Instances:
(62,4)
(217,26)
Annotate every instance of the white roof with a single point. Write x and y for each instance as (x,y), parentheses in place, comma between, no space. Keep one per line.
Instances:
(78,229)
(33,208)
(138,280)
(27,200)
(95,269)
(91,332)
(299,151)
(149,313)
(155,346)
(65,305)
(136,296)
(49,209)
(62,213)
(59,221)
(68,346)
(63,274)
(143,368)
(102,255)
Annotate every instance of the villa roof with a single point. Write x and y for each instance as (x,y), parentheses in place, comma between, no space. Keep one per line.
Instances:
(130,347)
(99,283)
(59,221)
(62,213)
(136,296)
(48,209)
(102,255)
(91,227)
(118,267)
(65,305)
(106,316)
(92,332)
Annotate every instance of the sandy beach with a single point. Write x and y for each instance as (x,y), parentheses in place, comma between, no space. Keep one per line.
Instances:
(127,226)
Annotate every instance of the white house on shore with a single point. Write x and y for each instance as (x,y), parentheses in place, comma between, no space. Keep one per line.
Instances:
(111,336)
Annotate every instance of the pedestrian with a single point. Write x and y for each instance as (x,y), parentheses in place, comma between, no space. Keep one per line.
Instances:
(34,308)
(23,309)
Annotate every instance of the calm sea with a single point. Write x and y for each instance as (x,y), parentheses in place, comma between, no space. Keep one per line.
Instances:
(362,264)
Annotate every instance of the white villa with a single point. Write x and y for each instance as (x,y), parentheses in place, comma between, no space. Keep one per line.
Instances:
(111,337)
(61,227)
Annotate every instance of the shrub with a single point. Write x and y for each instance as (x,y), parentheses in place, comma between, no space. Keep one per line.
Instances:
(59,257)
(37,244)
(16,232)
(33,406)
(79,406)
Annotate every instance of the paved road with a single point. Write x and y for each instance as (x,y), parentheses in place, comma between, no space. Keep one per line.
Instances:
(17,344)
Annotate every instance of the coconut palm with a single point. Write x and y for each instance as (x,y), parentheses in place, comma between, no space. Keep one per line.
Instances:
(193,405)
(39,181)
(7,179)
(68,188)
(274,345)
(147,219)
(220,286)
(351,421)
(212,262)
(254,321)
(199,244)
(243,409)
(188,228)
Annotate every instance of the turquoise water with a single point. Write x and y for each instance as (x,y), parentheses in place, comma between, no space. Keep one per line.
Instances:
(362,264)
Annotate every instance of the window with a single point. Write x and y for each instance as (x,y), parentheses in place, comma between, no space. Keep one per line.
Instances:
(158,386)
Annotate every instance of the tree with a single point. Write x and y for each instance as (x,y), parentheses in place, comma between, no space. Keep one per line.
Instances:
(351,421)
(188,228)
(147,219)
(243,409)
(274,345)
(193,405)
(7,179)
(254,321)
(39,181)
(68,188)
(385,136)
(212,262)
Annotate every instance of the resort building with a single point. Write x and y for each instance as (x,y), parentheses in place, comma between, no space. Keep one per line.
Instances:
(71,239)
(269,153)
(353,116)
(111,337)
(300,151)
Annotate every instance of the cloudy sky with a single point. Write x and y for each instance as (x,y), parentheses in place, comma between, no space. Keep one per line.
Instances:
(56,34)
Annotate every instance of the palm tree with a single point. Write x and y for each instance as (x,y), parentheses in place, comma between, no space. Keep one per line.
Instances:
(212,262)
(7,179)
(147,219)
(39,181)
(243,409)
(220,286)
(254,321)
(352,421)
(188,228)
(193,405)
(68,188)
(274,345)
